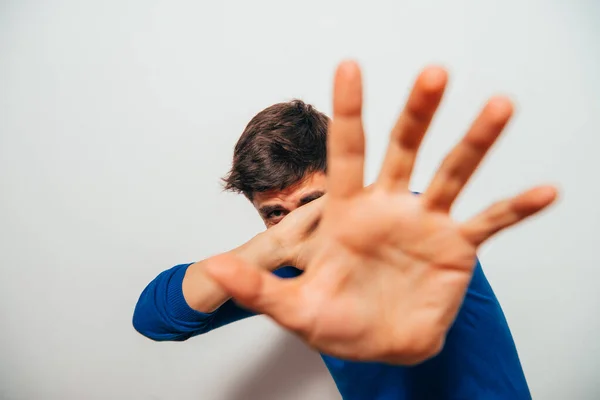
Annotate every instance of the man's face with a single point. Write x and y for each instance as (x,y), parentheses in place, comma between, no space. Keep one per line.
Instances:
(274,205)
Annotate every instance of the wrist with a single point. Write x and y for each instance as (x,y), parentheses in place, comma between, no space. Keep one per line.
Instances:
(264,251)
(276,251)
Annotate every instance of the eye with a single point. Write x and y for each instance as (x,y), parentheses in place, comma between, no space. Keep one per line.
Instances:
(274,217)
(276,214)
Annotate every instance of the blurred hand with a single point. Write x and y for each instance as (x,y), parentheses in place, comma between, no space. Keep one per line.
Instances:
(388,270)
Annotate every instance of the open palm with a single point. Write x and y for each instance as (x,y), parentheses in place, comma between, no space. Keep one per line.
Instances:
(388,269)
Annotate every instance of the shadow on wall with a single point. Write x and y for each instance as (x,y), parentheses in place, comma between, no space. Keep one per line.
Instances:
(284,373)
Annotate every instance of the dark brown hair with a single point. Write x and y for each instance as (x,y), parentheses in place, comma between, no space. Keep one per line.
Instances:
(280,145)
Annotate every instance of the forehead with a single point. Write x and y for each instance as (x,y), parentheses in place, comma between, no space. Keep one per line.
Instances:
(293,194)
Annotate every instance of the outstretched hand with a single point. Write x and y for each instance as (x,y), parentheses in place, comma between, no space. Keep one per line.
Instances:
(388,270)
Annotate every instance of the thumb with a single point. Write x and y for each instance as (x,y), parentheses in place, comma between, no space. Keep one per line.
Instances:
(258,290)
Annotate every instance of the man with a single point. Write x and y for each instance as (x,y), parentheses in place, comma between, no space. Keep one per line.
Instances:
(379,273)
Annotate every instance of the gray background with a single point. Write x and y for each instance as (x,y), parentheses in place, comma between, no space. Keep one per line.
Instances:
(118,118)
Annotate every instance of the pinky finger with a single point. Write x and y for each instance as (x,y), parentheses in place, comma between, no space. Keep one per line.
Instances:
(506,213)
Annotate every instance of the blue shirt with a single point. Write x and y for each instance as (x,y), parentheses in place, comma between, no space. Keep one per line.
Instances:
(479,359)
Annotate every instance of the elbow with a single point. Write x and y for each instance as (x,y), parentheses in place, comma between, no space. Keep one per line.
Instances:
(161,313)
(151,332)
(153,324)
(145,320)
(143,330)
(141,325)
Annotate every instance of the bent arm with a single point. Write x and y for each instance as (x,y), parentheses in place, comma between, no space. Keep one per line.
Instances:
(182,302)
(162,312)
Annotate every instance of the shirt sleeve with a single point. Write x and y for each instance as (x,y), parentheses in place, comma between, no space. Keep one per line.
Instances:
(162,314)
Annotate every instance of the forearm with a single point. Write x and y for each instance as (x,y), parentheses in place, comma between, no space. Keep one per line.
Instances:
(204,295)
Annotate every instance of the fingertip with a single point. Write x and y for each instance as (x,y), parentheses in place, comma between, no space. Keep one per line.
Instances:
(500,108)
(348,69)
(347,94)
(546,195)
(433,78)
(536,199)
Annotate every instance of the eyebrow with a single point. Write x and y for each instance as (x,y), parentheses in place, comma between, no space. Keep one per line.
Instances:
(310,197)
(266,210)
